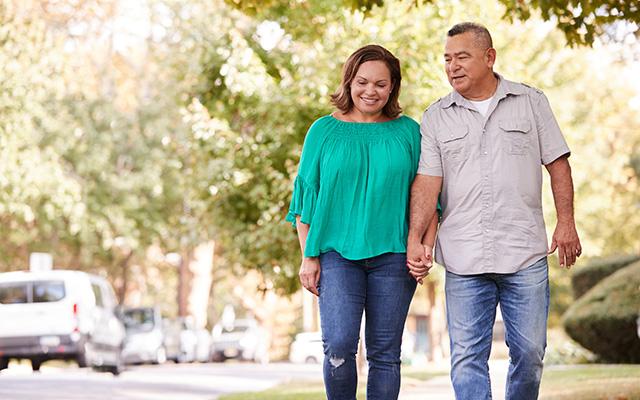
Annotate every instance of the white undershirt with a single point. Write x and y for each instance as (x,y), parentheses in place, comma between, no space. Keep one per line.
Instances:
(482,106)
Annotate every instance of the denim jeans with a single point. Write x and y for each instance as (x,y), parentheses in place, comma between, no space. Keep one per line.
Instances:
(471,311)
(381,287)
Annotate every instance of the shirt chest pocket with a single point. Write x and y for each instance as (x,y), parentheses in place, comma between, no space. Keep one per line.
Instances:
(516,136)
(454,144)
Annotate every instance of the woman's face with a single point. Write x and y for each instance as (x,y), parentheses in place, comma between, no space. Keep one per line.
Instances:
(371,87)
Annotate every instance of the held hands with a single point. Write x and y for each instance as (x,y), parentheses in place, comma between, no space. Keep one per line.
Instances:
(419,260)
(565,239)
(310,274)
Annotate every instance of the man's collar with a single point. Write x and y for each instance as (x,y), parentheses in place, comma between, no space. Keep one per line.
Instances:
(504,89)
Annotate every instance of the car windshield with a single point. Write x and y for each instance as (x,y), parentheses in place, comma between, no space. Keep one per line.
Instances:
(14,293)
(44,292)
(31,292)
(139,319)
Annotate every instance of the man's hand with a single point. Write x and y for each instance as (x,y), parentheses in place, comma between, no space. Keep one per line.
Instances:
(419,260)
(565,239)
(310,274)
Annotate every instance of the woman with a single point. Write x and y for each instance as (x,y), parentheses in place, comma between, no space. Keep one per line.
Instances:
(350,207)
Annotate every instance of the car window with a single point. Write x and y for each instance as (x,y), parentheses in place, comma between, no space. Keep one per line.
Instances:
(235,329)
(98,294)
(141,319)
(14,293)
(47,291)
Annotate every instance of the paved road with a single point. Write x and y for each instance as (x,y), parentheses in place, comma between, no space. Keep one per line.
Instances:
(165,382)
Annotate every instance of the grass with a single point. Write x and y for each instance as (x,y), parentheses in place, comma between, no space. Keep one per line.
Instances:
(591,382)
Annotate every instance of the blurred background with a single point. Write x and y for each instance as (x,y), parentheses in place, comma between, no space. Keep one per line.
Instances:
(152,145)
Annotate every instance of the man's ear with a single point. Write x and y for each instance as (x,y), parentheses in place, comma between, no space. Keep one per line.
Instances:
(490,57)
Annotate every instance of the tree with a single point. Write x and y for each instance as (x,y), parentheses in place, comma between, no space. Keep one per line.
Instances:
(581,21)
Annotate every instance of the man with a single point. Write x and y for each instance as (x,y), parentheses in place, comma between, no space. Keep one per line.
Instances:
(482,150)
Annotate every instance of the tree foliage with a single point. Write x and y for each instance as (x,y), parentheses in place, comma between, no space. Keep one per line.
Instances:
(581,21)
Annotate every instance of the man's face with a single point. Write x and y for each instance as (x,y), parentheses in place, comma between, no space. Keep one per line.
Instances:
(468,66)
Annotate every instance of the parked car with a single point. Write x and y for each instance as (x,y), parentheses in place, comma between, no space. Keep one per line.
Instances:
(307,348)
(145,336)
(180,340)
(245,339)
(59,314)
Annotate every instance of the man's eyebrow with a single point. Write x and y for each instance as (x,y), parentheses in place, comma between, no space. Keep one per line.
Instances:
(458,53)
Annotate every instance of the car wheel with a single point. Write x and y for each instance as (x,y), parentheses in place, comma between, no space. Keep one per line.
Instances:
(117,368)
(82,358)
(35,364)
(311,360)
(161,356)
(4,363)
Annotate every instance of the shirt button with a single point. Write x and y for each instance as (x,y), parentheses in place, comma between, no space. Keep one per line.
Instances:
(485,152)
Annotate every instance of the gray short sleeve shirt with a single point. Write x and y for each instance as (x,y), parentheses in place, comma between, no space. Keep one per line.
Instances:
(492,177)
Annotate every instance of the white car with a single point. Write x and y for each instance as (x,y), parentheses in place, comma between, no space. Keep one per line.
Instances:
(59,314)
(307,348)
(145,336)
(245,339)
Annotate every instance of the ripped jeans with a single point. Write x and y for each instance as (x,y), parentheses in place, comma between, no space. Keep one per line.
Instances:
(381,287)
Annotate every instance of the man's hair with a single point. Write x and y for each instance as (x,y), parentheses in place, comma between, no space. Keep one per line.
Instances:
(480,32)
(342,100)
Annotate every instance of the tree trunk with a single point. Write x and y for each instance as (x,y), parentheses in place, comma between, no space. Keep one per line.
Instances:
(124,275)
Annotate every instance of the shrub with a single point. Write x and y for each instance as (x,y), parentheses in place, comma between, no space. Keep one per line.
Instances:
(603,320)
(586,277)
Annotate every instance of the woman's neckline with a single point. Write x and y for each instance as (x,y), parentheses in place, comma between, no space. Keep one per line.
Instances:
(364,122)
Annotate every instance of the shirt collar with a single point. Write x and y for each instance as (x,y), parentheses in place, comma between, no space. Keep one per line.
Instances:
(504,89)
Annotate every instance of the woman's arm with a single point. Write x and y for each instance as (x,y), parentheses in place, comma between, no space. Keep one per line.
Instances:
(310,266)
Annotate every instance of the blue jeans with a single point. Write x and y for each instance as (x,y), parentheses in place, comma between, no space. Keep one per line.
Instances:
(381,287)
(471,311)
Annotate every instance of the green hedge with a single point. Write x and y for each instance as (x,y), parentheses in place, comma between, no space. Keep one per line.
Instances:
(584,278)
(603,320)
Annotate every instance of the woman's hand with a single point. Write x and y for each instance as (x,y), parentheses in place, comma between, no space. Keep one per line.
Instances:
(420,269)
(310,274)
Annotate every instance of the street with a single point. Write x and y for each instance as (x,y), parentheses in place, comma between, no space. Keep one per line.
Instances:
(163,382)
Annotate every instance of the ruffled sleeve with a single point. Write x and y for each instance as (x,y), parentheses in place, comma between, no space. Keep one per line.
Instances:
(306,187)
(303,202)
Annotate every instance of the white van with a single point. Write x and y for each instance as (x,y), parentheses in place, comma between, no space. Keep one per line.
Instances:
(59,314)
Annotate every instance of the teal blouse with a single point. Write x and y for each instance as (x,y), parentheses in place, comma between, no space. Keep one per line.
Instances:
(353,186)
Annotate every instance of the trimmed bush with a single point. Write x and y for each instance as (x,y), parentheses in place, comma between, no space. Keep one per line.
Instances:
(586,277)
(603,320)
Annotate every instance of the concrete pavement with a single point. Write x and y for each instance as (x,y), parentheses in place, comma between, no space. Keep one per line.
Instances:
(439,388)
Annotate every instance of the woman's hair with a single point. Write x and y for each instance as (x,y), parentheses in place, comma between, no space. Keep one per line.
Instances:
(372,52)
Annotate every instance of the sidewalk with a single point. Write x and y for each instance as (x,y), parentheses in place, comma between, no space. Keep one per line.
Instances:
(439,388)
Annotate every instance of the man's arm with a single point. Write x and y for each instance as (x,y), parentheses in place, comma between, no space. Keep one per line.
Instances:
(565,237)
(424,200)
